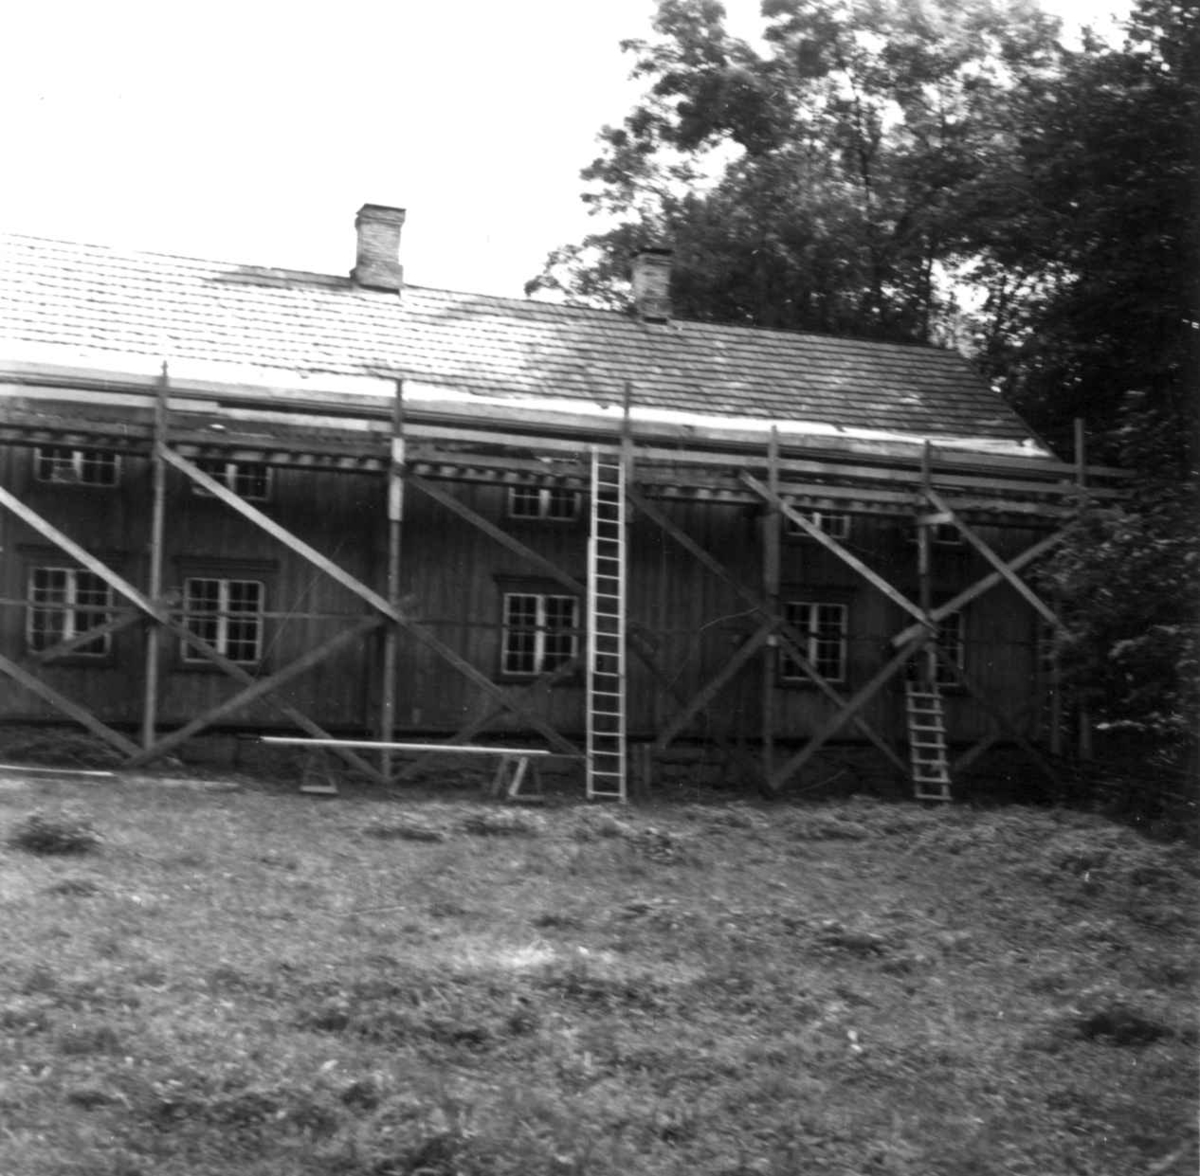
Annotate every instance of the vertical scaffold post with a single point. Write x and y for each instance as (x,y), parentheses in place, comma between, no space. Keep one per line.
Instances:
(772,544)
(158,476)
(395,521)
(1085,718)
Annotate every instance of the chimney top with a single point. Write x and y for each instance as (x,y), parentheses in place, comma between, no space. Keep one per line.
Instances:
(377,262)
(652,285)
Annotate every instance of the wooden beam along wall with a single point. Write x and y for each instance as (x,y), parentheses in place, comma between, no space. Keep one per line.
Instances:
(953,470)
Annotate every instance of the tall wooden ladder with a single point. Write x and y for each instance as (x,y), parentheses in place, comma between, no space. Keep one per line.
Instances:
(606,744)
(927,740)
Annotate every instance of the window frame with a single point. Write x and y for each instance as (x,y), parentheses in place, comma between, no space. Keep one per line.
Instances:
(71,610)
(545,496)
(228,477)
(192,658)
(819,517)
(810,628)
(79,458)
(539,630)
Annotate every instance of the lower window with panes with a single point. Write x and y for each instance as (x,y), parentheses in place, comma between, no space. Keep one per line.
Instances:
(540,633)
(227,614)
(824,630)
(65,603)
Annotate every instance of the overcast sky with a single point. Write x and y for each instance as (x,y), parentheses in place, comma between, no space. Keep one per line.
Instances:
(253,131)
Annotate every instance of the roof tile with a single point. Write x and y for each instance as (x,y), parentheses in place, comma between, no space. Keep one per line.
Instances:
(160,306)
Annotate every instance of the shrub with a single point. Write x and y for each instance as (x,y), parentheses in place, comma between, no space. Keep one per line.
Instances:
(60,833)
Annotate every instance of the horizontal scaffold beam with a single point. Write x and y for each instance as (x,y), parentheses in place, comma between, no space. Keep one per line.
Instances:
(289,431)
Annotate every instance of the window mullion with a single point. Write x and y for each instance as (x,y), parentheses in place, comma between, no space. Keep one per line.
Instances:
(222,615)
(72,597)
(539,636)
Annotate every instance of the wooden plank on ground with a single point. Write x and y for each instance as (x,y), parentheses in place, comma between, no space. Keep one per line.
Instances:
(399,745)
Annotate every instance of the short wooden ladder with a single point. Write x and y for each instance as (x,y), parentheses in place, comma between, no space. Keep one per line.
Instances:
(927,741)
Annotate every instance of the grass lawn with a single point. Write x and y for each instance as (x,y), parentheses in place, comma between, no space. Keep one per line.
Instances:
(252,981)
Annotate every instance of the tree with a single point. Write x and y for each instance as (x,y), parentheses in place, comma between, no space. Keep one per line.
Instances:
(1089,244)
(816,185)
(1103,230)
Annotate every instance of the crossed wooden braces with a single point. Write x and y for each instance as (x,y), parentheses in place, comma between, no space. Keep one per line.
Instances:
(155,611)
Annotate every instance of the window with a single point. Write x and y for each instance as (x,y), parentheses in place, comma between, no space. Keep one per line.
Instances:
(540,632)
(248,479)
(543,502)
(227,614)
(823,628)
(835,524)
(64,603)
(76,467)
(943,534)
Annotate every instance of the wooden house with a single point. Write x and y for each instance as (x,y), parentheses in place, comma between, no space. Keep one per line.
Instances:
(236,497)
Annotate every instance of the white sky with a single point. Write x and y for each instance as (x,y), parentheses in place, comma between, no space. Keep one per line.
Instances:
(253,131)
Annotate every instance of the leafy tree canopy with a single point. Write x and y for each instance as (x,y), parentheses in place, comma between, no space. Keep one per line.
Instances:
(816,183)
(1090,246)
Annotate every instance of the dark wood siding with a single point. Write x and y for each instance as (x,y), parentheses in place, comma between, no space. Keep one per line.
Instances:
(453,579)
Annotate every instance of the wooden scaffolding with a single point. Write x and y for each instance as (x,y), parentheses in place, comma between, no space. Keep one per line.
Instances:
(179,425)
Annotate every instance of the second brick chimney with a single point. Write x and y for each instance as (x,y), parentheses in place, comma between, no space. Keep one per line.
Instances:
(377,265)
(652,285)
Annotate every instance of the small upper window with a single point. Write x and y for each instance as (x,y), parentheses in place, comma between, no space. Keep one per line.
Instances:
(835,524)
(250,480)
(543,502)
(76,467)
(943,534)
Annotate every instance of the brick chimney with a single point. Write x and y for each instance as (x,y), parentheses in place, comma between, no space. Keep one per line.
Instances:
(652,285)
(378,261)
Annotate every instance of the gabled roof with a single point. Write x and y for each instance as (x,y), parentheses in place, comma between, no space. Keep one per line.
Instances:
(96,299)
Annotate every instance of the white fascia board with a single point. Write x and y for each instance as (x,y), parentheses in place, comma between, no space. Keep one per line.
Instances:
(206,375)
(798,430)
